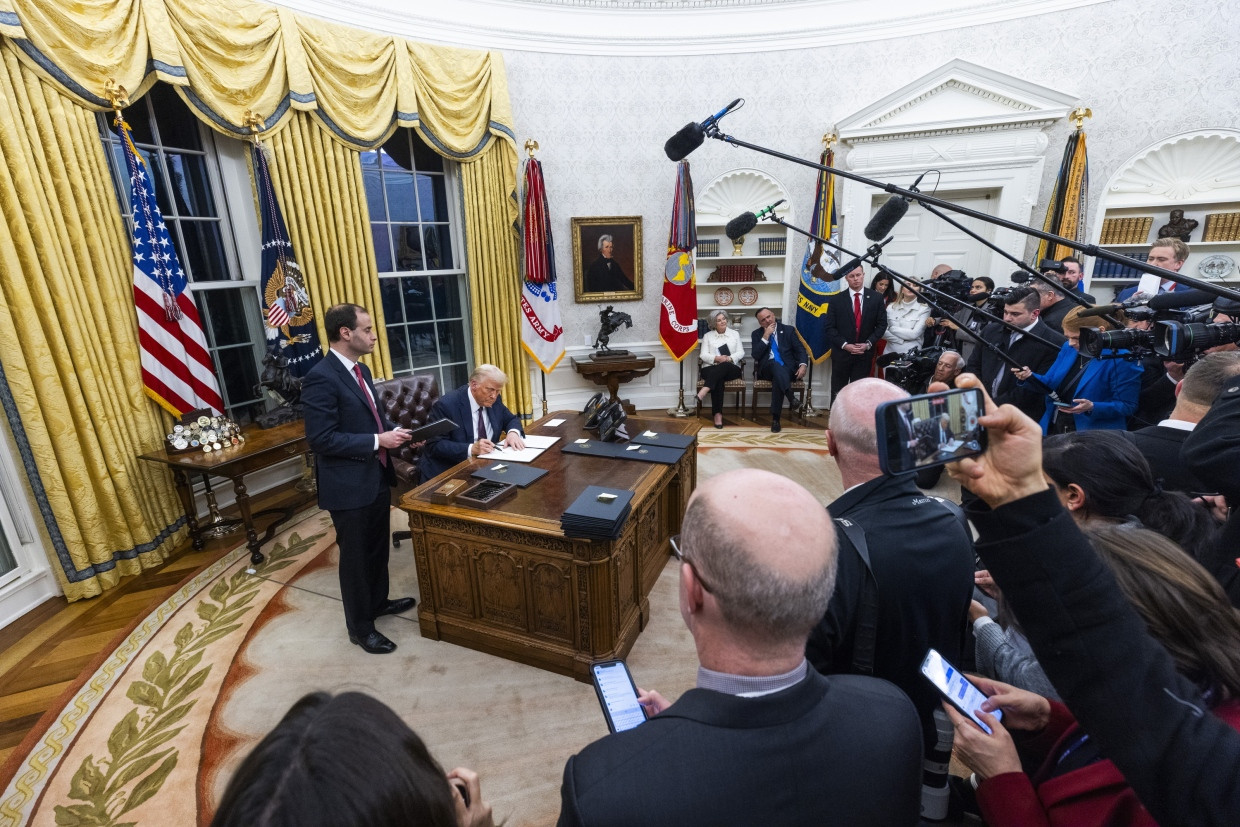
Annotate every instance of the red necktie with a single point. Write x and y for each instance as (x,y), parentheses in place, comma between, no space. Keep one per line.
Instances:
(857,313)
(357,371)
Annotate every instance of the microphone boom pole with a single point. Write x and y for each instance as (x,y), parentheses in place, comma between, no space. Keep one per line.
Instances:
(713,131)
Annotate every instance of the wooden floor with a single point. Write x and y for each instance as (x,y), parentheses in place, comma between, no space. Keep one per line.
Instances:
(45,651)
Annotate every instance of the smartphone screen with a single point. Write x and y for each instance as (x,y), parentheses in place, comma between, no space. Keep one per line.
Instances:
(955,687)
(931,429)
(618,695)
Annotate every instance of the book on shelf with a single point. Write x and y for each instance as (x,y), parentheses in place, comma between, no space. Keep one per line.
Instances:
(708,247)
(730,273)
(773,246)
(1222,226)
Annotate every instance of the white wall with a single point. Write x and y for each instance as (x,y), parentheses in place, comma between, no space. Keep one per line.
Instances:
(601,121)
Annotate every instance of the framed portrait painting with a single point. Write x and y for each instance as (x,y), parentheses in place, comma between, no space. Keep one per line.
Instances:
(607,258)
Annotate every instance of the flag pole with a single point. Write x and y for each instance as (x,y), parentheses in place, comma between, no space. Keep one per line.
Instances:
(807,405)
(680,411)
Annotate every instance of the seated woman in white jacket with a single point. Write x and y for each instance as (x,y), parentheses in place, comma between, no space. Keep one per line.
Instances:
(906,322)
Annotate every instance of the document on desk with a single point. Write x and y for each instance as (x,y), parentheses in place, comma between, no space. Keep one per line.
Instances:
(534,446)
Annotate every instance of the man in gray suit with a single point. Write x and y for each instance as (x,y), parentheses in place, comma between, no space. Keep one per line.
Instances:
(763,738)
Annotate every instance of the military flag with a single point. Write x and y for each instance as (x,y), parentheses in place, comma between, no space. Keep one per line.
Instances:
(1065,214)
(819,278)
(678,326)
(287,312)
(542,334)
(177,371)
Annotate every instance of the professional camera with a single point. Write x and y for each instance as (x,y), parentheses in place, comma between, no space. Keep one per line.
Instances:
(911,370)
(1180,341)
(1181,335)
(954,283)
(1138,343)
(994,305)
(1052,266)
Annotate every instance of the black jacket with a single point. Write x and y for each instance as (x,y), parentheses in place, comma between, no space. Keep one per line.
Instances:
(841,324)
(790,348)
(1028,352)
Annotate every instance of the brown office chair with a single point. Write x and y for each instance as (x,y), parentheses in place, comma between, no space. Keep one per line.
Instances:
(406,402)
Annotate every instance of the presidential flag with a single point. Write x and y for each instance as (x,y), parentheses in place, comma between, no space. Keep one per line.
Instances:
(542,334)
(287,312)
(819,278)
(176,366)
(678,325)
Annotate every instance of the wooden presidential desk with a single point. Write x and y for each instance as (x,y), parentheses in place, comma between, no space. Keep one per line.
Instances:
(262,448)
(508,582)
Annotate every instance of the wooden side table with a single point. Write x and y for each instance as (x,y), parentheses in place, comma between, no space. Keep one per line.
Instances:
(612,373)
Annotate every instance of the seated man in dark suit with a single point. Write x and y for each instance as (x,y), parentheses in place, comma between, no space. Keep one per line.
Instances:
(1161,443)
(763,739)
(482,422)
(781,363)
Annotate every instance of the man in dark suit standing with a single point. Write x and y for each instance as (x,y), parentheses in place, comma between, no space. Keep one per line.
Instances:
(779,357)
(350,440)
(1161,443)
(1021,309)
(856,319)
(762,739)
(482,423)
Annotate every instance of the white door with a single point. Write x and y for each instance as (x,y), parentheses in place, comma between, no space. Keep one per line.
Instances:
(922,240)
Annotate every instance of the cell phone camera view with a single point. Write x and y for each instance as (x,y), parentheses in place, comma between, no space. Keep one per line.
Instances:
(958,690)
(618,695)
(931,429)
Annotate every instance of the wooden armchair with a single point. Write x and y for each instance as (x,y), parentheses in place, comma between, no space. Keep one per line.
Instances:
(406,401)
(736,386)
(764,386)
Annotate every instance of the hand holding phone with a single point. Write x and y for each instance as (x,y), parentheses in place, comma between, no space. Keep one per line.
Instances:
(931,429)
(618,695)
(956,688)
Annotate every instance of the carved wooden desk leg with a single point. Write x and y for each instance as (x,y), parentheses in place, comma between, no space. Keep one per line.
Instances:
(186,492)
(251,536)
(613,386)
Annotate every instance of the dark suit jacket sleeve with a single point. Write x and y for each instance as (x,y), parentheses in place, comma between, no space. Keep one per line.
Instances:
(1118,682)
(799,356)
(327,411)
(452,447)
(1212,452)
(833,323)
(504,418)
(570,815)
(825,650)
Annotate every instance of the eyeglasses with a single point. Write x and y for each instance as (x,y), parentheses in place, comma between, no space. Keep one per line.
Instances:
(675,541)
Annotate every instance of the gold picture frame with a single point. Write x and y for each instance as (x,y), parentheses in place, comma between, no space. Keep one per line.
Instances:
(595,279)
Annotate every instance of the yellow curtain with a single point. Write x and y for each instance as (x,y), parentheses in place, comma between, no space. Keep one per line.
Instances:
(318,182)
(71,385)
(494,284)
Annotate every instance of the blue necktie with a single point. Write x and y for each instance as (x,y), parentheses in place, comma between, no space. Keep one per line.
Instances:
(779,360)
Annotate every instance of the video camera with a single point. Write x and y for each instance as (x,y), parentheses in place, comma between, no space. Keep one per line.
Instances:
(1179,334)
(912,370)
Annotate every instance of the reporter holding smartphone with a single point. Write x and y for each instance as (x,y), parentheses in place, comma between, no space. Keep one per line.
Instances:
(1180,757)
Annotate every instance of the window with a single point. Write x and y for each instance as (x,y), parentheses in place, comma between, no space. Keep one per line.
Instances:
(184,159)
(414,221)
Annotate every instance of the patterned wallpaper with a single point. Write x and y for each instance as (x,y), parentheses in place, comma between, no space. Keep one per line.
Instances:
(601,121)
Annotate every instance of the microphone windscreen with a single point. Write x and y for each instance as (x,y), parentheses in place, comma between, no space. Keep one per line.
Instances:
(689,138)
(847,267)
(888,215)
(1180,298)
(1020,277)
(1100,310)
(741,225)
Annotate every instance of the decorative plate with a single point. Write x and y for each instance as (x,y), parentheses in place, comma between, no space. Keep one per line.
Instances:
(1217,266)
(748,295)
(724,296)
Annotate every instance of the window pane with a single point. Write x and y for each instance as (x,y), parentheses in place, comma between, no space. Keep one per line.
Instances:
(425,158)
(178,128)
(239,374)
(433,197)
(438,247)
(446,291)
(389,291)
(155,169)
(383,248)
(139,121)
(204,250)
(401,201)
(416,290)
(398,346)
(225,316)
(373,182)
(453,377)
(408,247)
(396,155)
(192,186)
(452,341)
(422,351)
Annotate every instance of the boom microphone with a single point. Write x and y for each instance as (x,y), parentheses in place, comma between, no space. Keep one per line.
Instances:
(746,221)
(889,214)
(691,135)
(1163,301)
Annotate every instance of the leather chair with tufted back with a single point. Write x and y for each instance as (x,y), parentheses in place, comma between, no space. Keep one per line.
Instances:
(406,401)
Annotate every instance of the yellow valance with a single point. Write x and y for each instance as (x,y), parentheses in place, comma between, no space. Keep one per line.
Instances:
(229,56)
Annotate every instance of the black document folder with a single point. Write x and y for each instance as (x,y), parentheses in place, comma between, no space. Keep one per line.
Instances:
(514,472)
(437,428)
(597,514)
(663,440)
(621,450)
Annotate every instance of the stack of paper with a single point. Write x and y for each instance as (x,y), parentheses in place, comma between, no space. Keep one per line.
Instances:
(597,514)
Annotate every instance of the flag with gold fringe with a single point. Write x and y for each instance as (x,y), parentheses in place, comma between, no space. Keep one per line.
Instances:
(177,370)
(287,312)
(1065,215)
(818,277)
(542,334)
(678,326)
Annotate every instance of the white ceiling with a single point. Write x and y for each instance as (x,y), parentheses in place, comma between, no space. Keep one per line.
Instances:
(667,27)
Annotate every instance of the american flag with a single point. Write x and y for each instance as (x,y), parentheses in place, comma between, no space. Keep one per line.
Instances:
(291,332)
(176,366)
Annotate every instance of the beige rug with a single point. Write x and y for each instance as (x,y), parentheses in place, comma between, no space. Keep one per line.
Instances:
(152,735)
